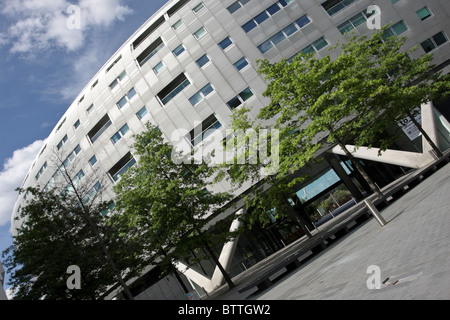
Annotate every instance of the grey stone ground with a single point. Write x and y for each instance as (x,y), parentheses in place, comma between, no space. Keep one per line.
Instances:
(412,250)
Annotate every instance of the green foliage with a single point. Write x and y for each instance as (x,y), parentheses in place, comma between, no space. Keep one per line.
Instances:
(315,102)
(164,201)
(355,97)
(56,235)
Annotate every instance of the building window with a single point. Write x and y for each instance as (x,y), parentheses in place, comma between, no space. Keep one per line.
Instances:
(198,7)
(118,80)
(313,48)
(61,124)
(126,98)
(142,113)
(263,16)
(200,33)
(334,6)
(173,88)
(92,192)
(119,134)
(435,41)
(159,68)
(176,7)
(90,109)
(241,64)
(109,209)
(76,124)
(151,50)
(178,50)
(225,43)
(114,63)
(395,29)
(41,171)
(77,178)
(352,23)
(283,34)
(237,5)
(265,46)
(148,31)
(399,28)
(302,21)
(424,13)
(122,166)
(202,61)
(99,128)
(201,94)
(62,142)
(93,160)
(71,156)
(206,128)
(177,25)
(240,98)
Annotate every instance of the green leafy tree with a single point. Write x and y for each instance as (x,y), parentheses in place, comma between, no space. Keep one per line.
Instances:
(271,194)
(354,98)
(165,200)
(66,227)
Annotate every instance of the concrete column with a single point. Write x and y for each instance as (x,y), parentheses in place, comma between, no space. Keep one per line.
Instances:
(331,159)
(437,129)
(429,126)
(226,256)
(225,259)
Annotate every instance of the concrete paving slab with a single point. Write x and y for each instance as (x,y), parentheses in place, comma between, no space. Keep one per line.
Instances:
(412,254)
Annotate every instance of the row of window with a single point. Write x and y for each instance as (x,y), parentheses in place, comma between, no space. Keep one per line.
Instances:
(312,48)
(237,5)
(105,122)
(203,130)
(284,34)
(398,28)
(181,82)
(65,164)
(264,15)
(331,7)
(435,41)
(145,56)
(334,6)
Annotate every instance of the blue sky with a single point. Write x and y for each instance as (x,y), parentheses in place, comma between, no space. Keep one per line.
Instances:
(43,66)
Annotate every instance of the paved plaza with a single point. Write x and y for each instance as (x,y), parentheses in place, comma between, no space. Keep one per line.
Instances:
(409,257)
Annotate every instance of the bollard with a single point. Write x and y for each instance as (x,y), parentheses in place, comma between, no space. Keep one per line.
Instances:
(375,212)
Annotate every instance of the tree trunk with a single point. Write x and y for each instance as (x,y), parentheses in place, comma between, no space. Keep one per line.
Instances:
(94,229)
(109,259)
(173,269)
(177,275)
(361,170)
(293,215)
(425,135)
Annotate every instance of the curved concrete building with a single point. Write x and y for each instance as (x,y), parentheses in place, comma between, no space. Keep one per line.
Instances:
(193,62)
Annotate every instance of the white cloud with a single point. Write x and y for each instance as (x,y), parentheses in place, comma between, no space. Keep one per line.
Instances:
(12,176)
(102,12)
(43,24)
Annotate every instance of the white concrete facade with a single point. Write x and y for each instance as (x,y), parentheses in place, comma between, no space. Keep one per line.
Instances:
(142,72)
(2,283)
